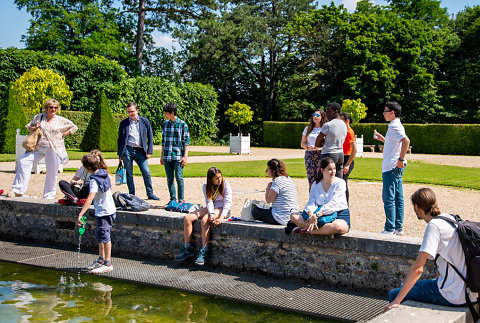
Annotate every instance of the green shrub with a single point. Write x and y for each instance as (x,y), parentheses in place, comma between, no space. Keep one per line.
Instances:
(102,132)
(451,139)
(81,120)
(283,134)
(12,119)
(197,104)
(84,75)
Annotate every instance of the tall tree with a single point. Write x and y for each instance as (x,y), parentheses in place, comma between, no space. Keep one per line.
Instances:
(247,36)
(165,16)
(82,27)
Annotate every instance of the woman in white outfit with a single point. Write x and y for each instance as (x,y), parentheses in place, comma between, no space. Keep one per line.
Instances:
(51,147)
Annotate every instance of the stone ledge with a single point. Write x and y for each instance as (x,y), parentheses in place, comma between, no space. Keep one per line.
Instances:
(355,261)
(414,312)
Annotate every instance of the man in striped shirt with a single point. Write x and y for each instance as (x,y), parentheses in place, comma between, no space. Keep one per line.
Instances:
(175,141)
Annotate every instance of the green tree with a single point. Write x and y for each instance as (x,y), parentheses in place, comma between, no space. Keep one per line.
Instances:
(102,131)
(459,74)
(12,119)
(355,108)
(376,56)
(80,27)
(245,36)
(36,86)
(163,16)
(239,114)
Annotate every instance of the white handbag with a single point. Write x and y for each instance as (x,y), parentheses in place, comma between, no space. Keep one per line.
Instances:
(247,208)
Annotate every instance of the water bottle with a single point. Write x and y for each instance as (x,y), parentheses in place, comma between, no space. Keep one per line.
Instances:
(81,229)
(375,134)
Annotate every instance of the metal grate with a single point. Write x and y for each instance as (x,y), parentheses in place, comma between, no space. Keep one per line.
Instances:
(286,295)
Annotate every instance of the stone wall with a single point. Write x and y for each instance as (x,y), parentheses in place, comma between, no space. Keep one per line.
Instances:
(357,260)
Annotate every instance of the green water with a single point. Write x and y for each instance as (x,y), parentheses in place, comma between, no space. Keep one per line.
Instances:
(35,294)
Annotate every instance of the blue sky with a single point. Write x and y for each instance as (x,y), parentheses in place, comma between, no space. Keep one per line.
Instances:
(14,23)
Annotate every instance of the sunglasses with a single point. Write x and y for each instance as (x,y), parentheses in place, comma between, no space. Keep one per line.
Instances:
(54,108)
(386,111)
(316,115)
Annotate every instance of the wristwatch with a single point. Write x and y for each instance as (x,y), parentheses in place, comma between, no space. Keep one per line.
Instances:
(401,159)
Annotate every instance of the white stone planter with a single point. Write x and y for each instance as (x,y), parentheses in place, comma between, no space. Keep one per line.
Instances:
(240,144)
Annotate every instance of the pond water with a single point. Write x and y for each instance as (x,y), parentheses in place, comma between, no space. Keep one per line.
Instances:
(36,294)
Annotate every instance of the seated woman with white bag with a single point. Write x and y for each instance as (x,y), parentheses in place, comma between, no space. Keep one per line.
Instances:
(281,192)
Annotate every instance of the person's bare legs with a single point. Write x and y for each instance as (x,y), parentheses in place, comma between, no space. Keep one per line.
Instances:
(206,223)
(298,220)
(188,223)
(338,226)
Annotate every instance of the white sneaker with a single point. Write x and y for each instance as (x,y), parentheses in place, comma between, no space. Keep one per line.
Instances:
(388,232)
(399,232)
(102,269)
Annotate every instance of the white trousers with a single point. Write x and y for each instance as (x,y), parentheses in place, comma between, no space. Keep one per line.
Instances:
(24,169)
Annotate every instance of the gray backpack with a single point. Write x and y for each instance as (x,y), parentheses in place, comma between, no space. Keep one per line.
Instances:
(129,202)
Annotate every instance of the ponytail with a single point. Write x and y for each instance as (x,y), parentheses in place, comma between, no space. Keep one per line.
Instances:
(425,199)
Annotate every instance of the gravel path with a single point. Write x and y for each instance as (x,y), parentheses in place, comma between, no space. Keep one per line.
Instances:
(365,197)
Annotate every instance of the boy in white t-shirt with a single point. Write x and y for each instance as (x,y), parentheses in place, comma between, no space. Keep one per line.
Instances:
(393,165)
(105,212)
(440,238)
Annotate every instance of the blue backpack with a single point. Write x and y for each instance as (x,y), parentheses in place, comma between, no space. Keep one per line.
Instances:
(184,207)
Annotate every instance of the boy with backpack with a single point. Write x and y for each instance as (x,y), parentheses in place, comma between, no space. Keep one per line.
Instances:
(105,212)
(441,242)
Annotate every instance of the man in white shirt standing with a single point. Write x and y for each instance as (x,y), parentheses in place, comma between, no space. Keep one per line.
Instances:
(395,148)
(440,240)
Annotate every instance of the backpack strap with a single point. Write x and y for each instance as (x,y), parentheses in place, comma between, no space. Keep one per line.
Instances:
(217,191)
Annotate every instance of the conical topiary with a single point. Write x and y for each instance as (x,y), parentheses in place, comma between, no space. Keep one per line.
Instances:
(12,118)
(102,130)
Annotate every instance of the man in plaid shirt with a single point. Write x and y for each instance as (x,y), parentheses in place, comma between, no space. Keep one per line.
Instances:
(175,141)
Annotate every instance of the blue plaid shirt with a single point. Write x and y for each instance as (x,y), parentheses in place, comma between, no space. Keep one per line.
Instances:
(175,137)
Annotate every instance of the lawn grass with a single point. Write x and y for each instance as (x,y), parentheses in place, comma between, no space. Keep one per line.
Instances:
(75,154)
(365,169)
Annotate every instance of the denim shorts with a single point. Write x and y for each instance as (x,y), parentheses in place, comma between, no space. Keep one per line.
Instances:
(104,227)
(322,220)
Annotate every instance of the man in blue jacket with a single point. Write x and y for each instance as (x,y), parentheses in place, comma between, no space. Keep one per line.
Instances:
(135,143)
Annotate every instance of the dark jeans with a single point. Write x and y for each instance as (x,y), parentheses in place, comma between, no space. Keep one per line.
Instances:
(71,191)
(345,176)
(337,159)
(138,155)
(174,170)
(264,215)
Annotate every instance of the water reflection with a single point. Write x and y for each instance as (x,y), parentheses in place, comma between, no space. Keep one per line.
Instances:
(30,294)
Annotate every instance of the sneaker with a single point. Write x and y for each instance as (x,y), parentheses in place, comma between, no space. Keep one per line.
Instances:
(388,232)
(289,228)
(102,269)
(81,201)
(300,230)
(181,201)
(65,202)
(153,197)
(399,232)
(201,258)
(95,265)
(185,254)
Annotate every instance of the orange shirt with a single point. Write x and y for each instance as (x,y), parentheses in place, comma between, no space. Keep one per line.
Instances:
(347,148)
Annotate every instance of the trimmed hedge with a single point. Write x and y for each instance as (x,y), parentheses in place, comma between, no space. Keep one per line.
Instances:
(81,119)
(447,139)
(101,130)
(12,119)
